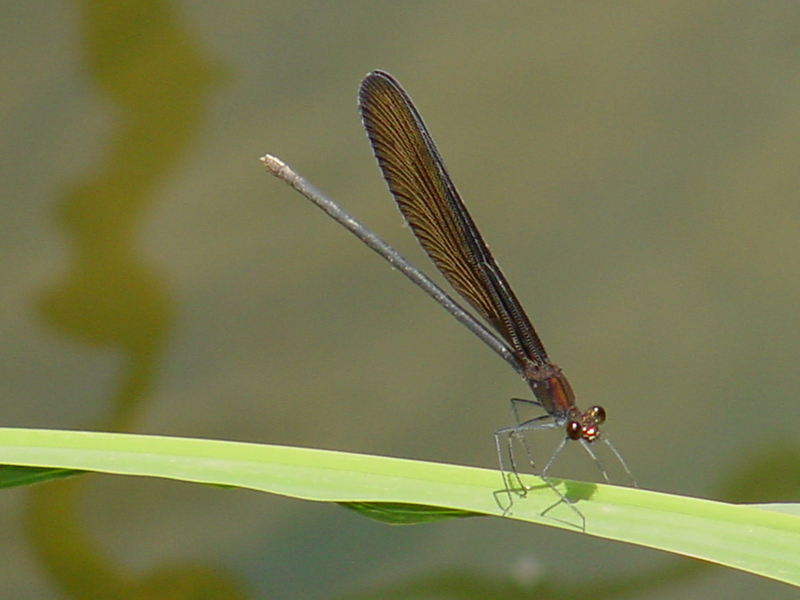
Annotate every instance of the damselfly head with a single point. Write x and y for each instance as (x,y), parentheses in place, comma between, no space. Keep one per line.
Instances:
(586,425)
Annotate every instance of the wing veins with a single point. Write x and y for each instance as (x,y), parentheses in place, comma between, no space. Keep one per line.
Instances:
(431,205)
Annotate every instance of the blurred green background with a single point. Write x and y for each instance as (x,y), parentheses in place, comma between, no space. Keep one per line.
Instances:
(633,166)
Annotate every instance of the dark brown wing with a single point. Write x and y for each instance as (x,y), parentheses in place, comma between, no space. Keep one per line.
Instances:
(419,182)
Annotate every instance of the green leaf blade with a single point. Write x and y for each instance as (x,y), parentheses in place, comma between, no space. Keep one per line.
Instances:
(755,539)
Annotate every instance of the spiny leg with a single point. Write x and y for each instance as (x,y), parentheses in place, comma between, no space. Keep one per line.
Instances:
(596,460)
(562,497)
(516,431)
(509,433)
(621,461)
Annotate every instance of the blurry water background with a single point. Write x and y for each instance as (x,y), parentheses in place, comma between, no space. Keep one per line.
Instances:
(633,166)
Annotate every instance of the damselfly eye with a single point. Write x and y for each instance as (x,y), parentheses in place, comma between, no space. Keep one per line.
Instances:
(574,430)
(597,414)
